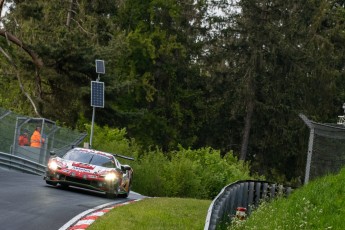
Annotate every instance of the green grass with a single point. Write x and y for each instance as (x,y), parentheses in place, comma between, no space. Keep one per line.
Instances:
(318,205)
(156,213)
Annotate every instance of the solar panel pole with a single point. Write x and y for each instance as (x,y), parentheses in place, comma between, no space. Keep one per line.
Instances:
(94,102)
(92,123)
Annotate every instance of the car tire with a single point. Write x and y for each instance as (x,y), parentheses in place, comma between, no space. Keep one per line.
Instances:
(110,195)
(64,186)
(51,183)
(123,195)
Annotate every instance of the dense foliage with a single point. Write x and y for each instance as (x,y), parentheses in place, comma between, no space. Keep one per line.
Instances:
(199,173)
(227,75)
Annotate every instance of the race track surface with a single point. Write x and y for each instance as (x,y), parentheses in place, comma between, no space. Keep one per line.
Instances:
(26,202)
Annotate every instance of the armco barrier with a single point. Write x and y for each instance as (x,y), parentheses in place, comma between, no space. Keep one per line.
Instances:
(12,162)
(246,194)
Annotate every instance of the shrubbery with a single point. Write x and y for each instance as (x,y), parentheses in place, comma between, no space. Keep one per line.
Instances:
(199,173)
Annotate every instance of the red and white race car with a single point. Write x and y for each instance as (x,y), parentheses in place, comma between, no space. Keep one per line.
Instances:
(90,169)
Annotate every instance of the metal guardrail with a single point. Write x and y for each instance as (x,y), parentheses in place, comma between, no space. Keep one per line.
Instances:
(246,194)
(12,162)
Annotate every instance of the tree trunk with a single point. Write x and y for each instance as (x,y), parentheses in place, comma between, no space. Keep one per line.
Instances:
(247,127)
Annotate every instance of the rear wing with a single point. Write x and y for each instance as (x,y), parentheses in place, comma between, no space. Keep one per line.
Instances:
(124,157)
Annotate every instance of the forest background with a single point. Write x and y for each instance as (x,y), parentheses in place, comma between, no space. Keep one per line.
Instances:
(231,75)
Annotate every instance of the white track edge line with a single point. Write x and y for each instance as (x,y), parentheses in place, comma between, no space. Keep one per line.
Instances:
(79,216)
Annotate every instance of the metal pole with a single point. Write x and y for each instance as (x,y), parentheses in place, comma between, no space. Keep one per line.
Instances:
(93,120)
(310,153)
(16,135)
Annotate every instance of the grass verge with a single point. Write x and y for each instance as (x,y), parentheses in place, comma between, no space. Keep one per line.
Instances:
(318,205)
(156,213)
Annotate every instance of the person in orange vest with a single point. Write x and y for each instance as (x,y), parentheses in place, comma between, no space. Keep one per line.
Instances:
(36,139)
(24,139)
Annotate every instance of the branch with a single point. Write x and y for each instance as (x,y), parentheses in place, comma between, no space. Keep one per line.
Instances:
(10,60)
(2,2)
(69,14)
(80,26)
(35,58)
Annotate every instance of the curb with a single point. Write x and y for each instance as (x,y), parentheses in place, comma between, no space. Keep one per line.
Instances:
(85,221)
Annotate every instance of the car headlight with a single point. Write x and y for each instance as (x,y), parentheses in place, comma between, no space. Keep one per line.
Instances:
(53,165)
(110,177)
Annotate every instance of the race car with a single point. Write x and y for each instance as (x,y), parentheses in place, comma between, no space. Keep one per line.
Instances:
(91,169)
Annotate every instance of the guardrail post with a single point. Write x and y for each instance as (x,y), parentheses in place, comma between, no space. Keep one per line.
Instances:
(257,192)
(245,195)
(222,212)
(264,191)
(227,203)
(232,201)
(273,191)
(250,197)
(239,192)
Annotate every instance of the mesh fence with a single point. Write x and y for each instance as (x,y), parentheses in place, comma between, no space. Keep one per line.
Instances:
(326,150)
(14,127)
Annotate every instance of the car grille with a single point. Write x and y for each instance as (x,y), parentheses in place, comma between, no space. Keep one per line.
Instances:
(77,180)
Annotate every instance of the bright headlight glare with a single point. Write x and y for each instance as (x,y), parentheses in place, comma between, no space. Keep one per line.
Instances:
(53,165)
(110,176)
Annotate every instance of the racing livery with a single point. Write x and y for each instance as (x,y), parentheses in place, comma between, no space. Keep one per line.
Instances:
(90,169)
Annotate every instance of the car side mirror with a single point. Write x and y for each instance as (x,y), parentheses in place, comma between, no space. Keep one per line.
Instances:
(125,167)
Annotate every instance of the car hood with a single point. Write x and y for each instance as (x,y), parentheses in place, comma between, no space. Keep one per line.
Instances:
(73,166)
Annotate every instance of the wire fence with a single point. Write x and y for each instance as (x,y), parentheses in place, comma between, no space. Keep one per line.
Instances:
(326,149)
(15,128)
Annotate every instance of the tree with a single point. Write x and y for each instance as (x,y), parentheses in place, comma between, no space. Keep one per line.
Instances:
(276,59)
(68,51)
(10,38)
(158,101)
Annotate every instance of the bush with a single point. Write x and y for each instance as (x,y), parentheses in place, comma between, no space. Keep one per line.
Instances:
(199,173)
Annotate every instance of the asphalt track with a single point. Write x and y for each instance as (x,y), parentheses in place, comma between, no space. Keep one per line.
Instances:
(26,202)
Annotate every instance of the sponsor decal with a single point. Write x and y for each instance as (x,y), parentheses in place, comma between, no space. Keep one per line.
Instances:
(81,165)
(81,169)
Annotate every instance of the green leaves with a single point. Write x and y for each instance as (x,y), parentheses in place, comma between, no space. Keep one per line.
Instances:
(199,173)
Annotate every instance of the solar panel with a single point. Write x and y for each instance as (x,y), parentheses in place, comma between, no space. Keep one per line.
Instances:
(97,94)
(100,66)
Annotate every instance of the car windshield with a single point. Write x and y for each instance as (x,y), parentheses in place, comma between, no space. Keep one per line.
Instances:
(89,158)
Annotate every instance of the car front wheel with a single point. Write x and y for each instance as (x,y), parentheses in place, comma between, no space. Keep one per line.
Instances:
(51,183)
(110,195)
(123,195)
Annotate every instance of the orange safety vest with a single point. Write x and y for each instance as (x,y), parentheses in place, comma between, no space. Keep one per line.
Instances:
(36,139)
